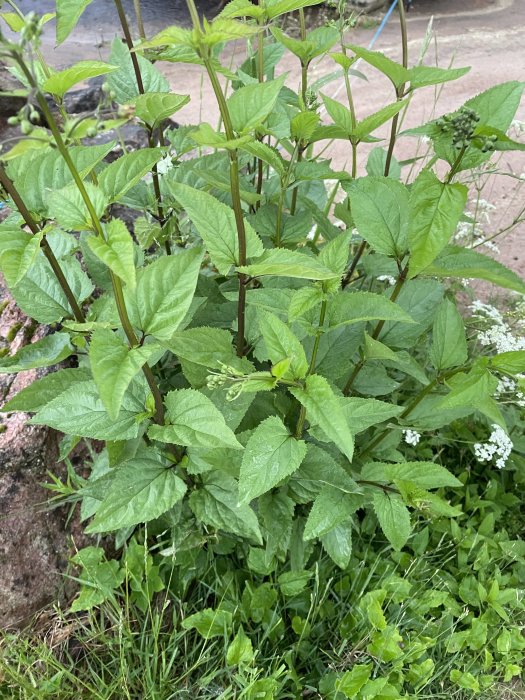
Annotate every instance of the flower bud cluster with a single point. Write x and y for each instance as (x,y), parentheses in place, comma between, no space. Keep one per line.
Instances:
(460,125)
(227,374)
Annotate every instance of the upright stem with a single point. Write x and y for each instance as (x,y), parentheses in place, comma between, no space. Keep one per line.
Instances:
(140,85)
(401,89)
(236,197)
(260,76)
(311,369)
(284,187)
(11,190)
(304,91)
(117,285)
(138,15)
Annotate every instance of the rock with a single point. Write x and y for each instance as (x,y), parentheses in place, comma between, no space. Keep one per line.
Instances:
(33,539)
(9,104)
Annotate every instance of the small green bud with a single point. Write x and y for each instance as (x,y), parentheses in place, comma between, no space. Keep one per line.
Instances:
(13,121)
(26,127)
(92,132)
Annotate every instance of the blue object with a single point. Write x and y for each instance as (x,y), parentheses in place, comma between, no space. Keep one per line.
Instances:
(382,25)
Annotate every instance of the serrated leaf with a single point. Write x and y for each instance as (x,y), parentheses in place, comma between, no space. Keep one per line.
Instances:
(250,105)
(69,209)
(449,343)
(43,353)
(435,211)
(394,71)
(459,262)
(280,262)
(277,510)
(18,250)
(281,343)
(323,408)
(427,475)
(154,107)
(113,365)
(123,82)
(240,650)
(209,623)
(124,173)
(140,490)
(270,456)
(79,411)
(512,361)
(331,508)
(203,346)
(33,397)
(334,255)
(422,76)
(116,251)
(68,14)
(355,307)
(363,413)
(393,517)
(369,124)
(59,83)
(194,421)
(215,223)
(217,504)
(337,543)
(164,293)
(380,212)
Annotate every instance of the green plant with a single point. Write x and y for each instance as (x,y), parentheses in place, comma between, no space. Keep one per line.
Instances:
(231,352)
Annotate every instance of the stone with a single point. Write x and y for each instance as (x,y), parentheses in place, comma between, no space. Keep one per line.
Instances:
(9,104)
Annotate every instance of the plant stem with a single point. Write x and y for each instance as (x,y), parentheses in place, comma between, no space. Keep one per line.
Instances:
(117,284)
(311,369)
(401,89)
(456,165)
(260,76)
(11,190)
(140,21)
(282,196)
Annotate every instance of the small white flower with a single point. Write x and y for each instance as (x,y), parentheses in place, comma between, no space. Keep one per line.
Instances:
(497,449)
(412,437)
(387,278)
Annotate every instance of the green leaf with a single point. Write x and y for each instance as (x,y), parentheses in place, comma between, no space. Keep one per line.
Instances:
(449,343)
(164,293)
(116,251)
(281,343)
(393,71)
(33,397)
(365,127)
(43,353)
(422,76)
(292,583)
(217,504)
(124,173)
(59,83)
(323,408)
(240,651)
(393,517)
(498,105)
(435,211)
(68,14)
(474,389)
(334,255)
(69,210)
(98,578)
(337,543)
(355,307)
(194,421)
(209,623)
(140,490)
(380,211)
(215,223)
(427,475)
(154,107)
(18,250)
(331,508)
(280,7)
(250,105)
(203,346)
(351,682)
(123,82)
(280,262)
(114,365)
(15,22)
(277,510)
(512,362)
(456,261)
(270,456)
(80,411)
(361,414)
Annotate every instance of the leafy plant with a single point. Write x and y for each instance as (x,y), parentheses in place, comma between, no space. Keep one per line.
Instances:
(255,383)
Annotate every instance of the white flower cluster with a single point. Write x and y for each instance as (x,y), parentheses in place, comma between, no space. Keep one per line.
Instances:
(474,229)
(387,278)
(499,334)
(498,447)
(507,386)
(412,437)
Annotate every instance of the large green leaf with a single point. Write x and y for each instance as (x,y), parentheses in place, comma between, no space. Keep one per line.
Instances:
(331,508)
(194,421)
(393,517)
(123,82)
(70,211)
(435,211)
(33,397)
(116,250)
(68,14)
(449,343)
(164,293)
(422,76)
(250,105)
(354,307)
(203,346)
(427,475)
(474,390)
(217,504)
(497,106)
(282,344)
(114,365)
(459,262)
(43,353)
(216,225)
(18,250)
(337,543)
(79,411)
(394,71)
(319,469)
(209,623)
(323,408)
(59,83)
(380,212)
(280,262)
(277,510)
(280,7)
(124,173)
(270,456)
(154,107)
(363,413)
(139,490)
